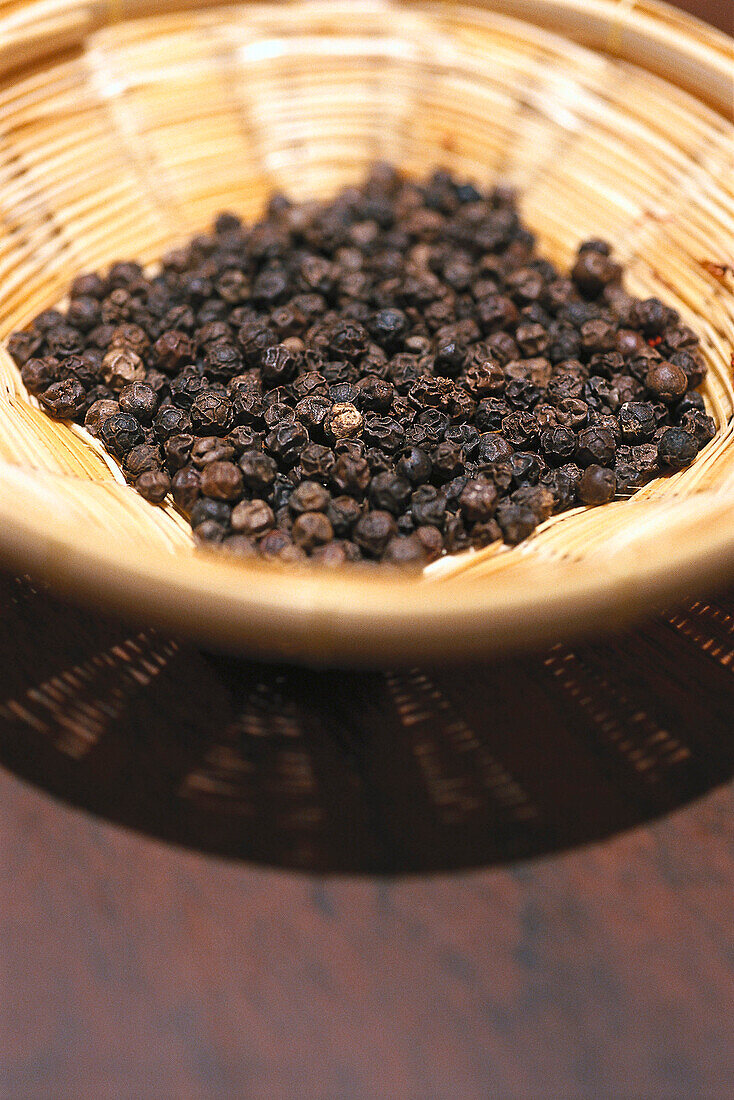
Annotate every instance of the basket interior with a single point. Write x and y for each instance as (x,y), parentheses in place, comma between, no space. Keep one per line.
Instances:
(130,143)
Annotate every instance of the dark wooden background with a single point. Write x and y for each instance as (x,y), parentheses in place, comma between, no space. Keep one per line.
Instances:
(224,881)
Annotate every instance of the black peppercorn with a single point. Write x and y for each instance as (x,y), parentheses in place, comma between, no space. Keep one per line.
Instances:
(140,458)
(98,412)
(185,488)
(153,485)
(343,512)
(309,496)
(177,451)
(390,492)
(428,506)
(252,518)
(312,529)
(558,445)
(407,550)
(211,413)
(516,521)
(209,530)
(208,449)
(415,465)
(121,367)
(538,498)
(241,545)
(64,400)
(666,381)
(120,433)
(677,448)
(312,412)
(351,475)
(593,271)
(596,445)
(478,500)
(286,441)
(636,421)
(140,400)
(701,426)
(221,481)
(39,374)
(373,531)
(317,462)
(597,485)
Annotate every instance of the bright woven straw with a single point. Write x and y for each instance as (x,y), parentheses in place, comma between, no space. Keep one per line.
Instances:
(126,126)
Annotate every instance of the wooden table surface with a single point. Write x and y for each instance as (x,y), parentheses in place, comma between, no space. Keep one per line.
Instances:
(133,970)
(136,968)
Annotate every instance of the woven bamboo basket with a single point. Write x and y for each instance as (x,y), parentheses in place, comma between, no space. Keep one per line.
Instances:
(126,125)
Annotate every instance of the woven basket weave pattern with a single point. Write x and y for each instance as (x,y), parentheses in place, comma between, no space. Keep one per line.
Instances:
(132,142)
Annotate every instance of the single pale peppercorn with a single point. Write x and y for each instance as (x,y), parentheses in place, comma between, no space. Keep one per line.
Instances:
(597,485)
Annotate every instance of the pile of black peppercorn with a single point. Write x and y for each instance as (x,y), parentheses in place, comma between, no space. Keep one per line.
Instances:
(389,376)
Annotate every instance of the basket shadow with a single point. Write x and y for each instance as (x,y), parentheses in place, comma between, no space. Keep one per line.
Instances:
(388,773)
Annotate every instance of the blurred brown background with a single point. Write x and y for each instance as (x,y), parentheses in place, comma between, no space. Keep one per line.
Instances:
(718,12)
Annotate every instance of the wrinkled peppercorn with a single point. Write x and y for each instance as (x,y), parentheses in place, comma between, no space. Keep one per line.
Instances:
(221,481)
(140,400)
(252,518)
(516,521)
(677,448)
(153,485)
(121,367)
(64,400)
(309,496)
(312,529)
(597,485)
(596,445)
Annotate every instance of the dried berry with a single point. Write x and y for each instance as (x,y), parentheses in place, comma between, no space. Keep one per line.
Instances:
(677,448)
(98,412)
(351,475)
(516,521)
(39,374)
(343,421)
(64,400)
(597,485)
(596,445)
(185,488)
(252,518)
(211,413)
(120,433)
(309,496)
(153,485)
(121,367)
(637,421)
(312,529)
(403,551)
(373,531)
(390,492)
(666,381)
(140,400)
(478,500)
(141,458)
(221,481)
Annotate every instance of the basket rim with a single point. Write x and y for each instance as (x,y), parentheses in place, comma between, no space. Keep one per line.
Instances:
(345,616)
(361,616)
(669,42)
